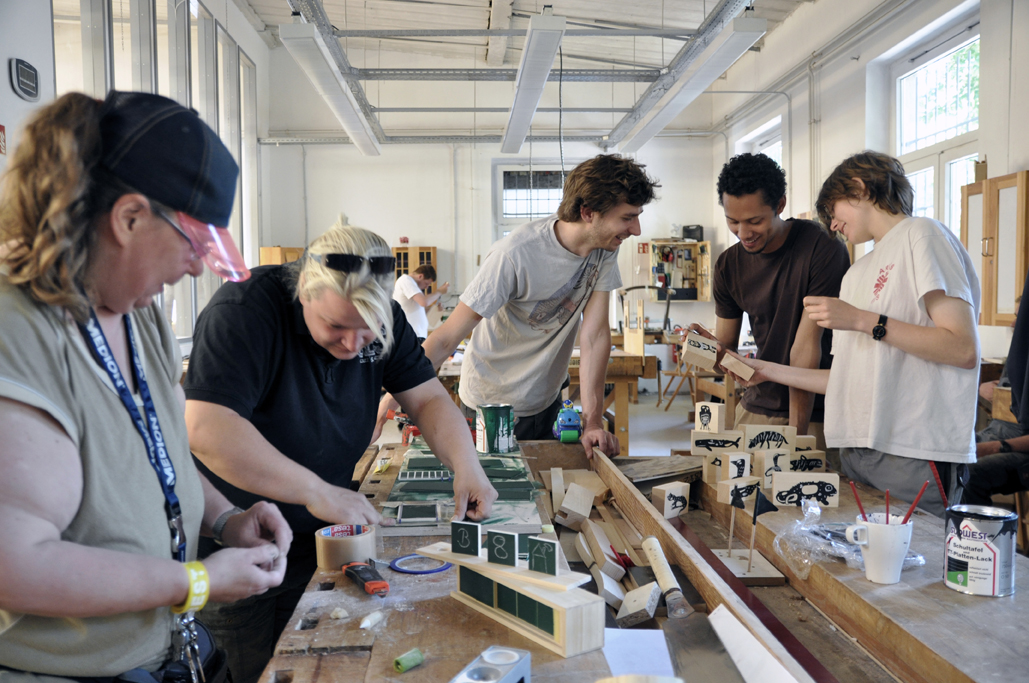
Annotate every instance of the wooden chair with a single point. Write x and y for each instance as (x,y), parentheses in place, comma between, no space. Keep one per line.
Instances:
(684,371)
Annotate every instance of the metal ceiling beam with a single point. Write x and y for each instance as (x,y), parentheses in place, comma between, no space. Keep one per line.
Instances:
(423,139)
(499,19)
(497,110)
(570,75)
(712,27)
(313,13)
(683,33)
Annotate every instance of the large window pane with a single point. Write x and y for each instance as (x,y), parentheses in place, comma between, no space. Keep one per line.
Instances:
(532,196)
(164,70)
(774,151)
(940,99)
(960,172)
(121,43)
(922,183)
(248,158)
(178,306)
(68,46)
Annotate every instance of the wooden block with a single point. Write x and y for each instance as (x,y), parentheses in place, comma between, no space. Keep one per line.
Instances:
(584,478)
(639,605)
(502,547)
(767,437)
(600,549)
(711,417)
(736,367)
(768,462)
(808,461)
(741,488)
(466,538)
(806,442)
(543,555)
(734,465)
(567,539)
(712,468)
(790,488)
(671,499)
(699,351)
(706,443)
(582,547)
(576,506)
(612,591)
(557,487)
(518,574)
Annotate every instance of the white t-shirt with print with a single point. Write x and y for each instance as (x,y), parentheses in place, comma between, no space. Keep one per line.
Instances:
(881,397)
(404,292)
(531,292)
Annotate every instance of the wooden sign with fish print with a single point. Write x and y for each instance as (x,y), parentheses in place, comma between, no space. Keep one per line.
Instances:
(793,488)
(707,443)
(769,437)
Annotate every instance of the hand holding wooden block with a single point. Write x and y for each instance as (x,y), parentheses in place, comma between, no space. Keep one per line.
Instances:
(711,417)
(737,367)
(792,488)
(671,499)
(700,351)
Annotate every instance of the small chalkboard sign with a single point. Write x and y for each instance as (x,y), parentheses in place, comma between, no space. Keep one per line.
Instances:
(543,556)
(502,547)
(465,538)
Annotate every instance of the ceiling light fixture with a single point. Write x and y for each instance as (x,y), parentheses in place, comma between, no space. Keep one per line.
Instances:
(308,48)
(541,44)
(736,38)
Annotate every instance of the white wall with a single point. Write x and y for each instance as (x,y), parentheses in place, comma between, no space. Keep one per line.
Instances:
(25,33)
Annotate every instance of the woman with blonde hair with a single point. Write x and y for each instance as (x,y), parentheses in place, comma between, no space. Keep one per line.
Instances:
(101,507)
(282,393)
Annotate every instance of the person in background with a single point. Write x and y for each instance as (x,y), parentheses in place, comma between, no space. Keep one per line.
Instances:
(766,275)
(101,508)
(524,306)
(283,383)
(901,395)
(1002,448)
(409,292)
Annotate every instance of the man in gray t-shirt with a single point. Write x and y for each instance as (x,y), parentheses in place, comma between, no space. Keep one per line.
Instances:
(524,306)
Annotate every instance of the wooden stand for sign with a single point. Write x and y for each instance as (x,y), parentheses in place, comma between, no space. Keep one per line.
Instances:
(564,619)
(762,572)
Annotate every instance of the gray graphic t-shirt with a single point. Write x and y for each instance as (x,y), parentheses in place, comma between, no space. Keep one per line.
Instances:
(531,292)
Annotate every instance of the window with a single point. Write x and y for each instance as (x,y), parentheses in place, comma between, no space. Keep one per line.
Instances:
(68,46)
(520,196)
(248,163)
(936,114)
(940,99)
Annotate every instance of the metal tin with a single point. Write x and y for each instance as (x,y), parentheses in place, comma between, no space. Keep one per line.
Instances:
(979,550)
(494,428)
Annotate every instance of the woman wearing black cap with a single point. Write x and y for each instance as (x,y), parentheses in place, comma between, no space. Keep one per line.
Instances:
(100,504)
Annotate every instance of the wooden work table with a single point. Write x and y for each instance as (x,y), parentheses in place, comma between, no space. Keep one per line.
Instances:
(921,630)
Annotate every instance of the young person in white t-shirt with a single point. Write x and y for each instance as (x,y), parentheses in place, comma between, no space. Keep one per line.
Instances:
(901,395)
(409,292)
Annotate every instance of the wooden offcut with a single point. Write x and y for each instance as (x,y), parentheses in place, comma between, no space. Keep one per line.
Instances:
(639,605)
(600,548)
(575,507)
(700,351)
(737,367)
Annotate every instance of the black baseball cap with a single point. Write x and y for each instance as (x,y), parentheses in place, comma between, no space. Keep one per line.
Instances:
(166,152)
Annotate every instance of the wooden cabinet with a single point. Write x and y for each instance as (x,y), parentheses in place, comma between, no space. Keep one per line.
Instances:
(682,266)
(409,258)
(994,225)
(271,256)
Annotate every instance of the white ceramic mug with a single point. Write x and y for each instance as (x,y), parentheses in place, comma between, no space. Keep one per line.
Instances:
(883,546)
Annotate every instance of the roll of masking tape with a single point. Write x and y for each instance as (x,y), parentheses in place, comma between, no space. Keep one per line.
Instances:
(341,544)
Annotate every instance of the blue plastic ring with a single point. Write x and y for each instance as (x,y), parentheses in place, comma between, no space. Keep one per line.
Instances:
(395,566)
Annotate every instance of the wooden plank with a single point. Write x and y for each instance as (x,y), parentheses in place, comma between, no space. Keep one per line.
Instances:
(1002,405)
(363,466)
(711,586)
(585,478)
(922,631)
(575,507)
(556,486)
(638,470)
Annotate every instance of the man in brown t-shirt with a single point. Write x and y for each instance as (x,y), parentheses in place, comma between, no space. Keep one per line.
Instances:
(767,275)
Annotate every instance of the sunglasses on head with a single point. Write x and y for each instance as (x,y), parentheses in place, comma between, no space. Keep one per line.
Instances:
(349,263)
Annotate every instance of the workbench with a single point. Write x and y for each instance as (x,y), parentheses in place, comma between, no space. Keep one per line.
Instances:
(419,612)
(623,371)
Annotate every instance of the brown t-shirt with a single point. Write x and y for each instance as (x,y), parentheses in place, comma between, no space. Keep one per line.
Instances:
(771,289)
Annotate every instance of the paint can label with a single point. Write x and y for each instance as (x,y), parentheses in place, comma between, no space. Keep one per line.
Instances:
(494,428)
(980,550)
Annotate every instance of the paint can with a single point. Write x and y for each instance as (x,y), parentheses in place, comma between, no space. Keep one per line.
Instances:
(494,428)
(979,550)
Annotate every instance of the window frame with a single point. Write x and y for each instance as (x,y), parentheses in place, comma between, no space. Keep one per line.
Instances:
(500,223)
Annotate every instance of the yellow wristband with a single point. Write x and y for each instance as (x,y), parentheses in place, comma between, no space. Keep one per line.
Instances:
(199,588)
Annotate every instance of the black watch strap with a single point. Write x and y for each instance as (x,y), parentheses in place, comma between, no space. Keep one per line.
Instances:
(879,331)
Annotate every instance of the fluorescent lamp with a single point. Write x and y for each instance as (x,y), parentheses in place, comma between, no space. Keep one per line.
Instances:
(721,53)
(541,45)
(309,50)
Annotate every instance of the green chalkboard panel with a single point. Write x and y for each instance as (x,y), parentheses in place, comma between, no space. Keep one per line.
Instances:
(502,547)
(507,600)
(543,556)
(425,464)
(465,538)
(527,609)
(477,586)
(545,618)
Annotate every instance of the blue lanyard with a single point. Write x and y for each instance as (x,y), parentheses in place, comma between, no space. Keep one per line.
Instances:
(149,429)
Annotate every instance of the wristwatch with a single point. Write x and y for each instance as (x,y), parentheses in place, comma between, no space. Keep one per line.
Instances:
(1005,447)
(219,524)
(879,331)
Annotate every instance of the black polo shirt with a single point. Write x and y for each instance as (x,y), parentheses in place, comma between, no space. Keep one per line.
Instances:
(252,352)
